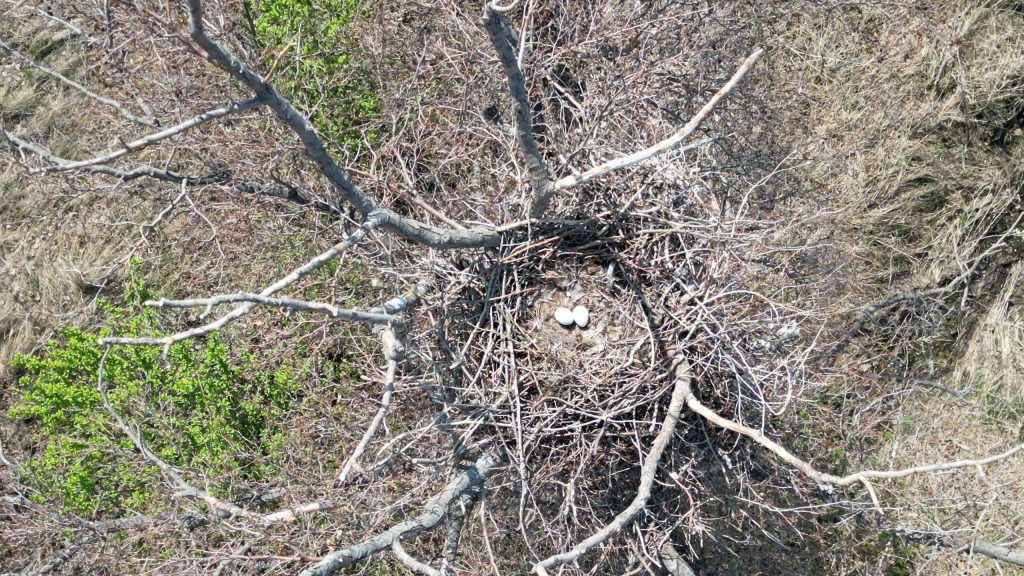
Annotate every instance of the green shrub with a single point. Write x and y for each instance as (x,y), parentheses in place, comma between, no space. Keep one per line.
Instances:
(309,40)
(196,410)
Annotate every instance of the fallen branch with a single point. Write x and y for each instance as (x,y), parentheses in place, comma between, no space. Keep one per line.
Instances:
(142,171)
(391,352)
(666,144)
(120,108)
(822,478)
(157,137)
(647,474)
(412,563)
(296,275)
(286,303)
(964,545)
(433,512)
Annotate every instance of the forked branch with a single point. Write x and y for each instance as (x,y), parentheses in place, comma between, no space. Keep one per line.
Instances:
(299,273)
(313,146)
(433,512)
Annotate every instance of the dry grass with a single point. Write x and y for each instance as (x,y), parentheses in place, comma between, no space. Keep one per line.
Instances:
(876,151)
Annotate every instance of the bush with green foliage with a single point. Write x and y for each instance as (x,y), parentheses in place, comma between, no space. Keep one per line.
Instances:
(309,41)
(196,410)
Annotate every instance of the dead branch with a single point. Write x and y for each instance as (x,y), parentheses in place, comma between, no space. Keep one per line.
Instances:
(434,511)
(290,304)
(142,171)
(120,108)
(299,273)
(315,150)
(495,24)
(391,352)
(647,474)
(666,144)
(145,141)
(963,545)
(410,562)
(184,488)
(863,477)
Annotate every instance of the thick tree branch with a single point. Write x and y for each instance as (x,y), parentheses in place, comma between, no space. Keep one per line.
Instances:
(120,108)
(315,150)
(647,474)
(666,144)
(433,512)
(495,24)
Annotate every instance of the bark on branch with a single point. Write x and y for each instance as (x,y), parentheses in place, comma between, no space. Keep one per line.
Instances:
(433,512)
(495,24)
(315,150)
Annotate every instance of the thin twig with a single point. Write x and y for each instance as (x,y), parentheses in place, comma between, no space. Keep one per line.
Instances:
(120,108)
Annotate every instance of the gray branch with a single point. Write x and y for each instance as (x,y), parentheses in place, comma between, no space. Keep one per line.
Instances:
(412,563)
(647,474)
(315,150)
(143,171)
(299,273)
(101,99)
(496,24)
(157,137)
(964,545)
(434,510)
(286,303)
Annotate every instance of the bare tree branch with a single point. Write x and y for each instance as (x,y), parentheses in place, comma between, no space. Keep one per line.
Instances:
(299,273)
(287,303)
(121,109)
(391,352)
(647,474)
(143,171)
(965,545)
(862,477)
(423,233)
(410,562)
(495,23)
(433,512)
(666,144)
(157,137)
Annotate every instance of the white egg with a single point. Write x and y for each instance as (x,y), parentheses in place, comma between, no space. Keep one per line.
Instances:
(581,316)
(564,316)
